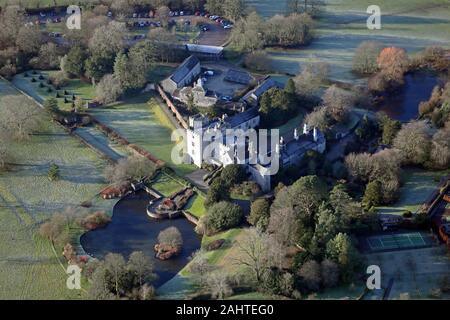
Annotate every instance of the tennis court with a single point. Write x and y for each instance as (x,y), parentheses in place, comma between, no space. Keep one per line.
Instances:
(398,241)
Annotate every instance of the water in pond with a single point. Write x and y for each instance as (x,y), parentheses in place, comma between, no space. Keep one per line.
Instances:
(132,230)
(404,105)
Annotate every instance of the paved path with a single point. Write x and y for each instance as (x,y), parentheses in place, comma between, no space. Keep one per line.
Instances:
(98,142)
(196,178)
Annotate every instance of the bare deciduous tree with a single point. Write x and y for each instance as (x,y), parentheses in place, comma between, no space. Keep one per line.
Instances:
(141,266)
(319,118)
(310,274)
(219,285)
(199,267)
(414,142)
(127,170)
(309,81)
(259,252)
(330,273)
(440,150)
(109,89)
(115,264)
(171,236)
(365,58)
(338,103)
(21,115)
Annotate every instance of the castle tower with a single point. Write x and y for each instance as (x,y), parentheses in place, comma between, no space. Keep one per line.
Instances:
(296,134)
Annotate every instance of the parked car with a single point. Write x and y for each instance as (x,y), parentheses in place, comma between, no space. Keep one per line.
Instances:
(226,98)
(181,13)
(228,26)
(209,73)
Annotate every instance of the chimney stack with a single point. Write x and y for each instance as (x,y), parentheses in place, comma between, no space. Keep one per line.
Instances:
(305,129)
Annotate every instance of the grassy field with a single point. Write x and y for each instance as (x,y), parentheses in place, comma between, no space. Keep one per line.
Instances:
(343,27)
(29,268)
(417,187)
(137,121)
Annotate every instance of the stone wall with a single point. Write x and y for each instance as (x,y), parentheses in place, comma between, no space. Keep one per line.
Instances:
(172,107)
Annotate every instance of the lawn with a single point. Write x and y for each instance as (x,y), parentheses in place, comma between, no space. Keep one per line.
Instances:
(196,206)
(75,87)
(138,121)
(160,72)
(417,187)
(29,268)
(166,185)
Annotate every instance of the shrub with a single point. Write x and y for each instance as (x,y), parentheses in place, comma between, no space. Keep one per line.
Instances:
(51,105)
(233,174)
(217,192)
(53,172)
(407,214)
(247,188)
(222,216)
(260,213)
(96,220)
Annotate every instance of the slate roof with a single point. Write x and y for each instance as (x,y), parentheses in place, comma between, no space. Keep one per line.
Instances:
(183,70)
(242,117)
(267,84)
(238,76)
